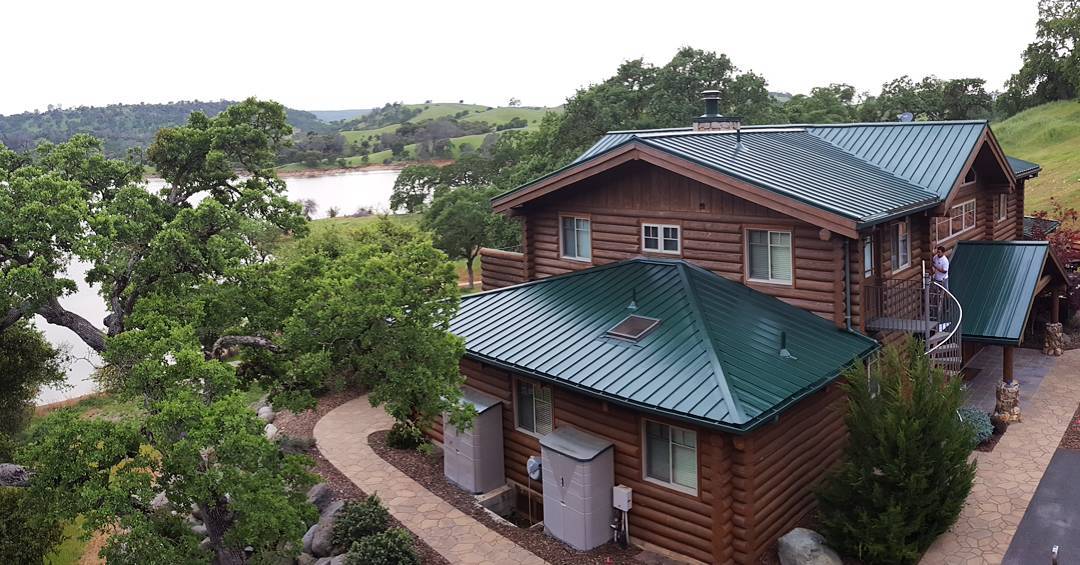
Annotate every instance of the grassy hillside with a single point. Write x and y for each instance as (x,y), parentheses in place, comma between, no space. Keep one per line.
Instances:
(1050,136)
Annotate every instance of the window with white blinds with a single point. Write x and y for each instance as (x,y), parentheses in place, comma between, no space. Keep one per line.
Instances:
(671,456)
(769,256)
(576,238)
(901,245)
(533,407)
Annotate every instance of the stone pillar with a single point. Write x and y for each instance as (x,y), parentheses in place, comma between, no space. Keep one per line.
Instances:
(1007,409)
(1055,343)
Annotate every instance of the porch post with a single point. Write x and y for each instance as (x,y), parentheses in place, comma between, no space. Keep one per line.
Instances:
(1054,344)
(1055,307)
(1007,409)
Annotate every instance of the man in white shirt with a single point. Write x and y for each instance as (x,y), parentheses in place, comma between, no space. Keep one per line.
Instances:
(940,266)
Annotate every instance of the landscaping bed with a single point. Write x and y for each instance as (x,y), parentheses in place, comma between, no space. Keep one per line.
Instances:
(302,425)
(428,471)
(1071,439)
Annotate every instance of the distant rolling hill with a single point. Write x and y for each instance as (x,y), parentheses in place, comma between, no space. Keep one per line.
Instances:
(1050,136)
(337,115)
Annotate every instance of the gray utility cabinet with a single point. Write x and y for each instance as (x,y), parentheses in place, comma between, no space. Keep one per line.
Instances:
(473,458)
(579,472)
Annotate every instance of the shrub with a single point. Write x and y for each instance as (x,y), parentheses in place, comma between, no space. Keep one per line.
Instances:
(979,422)
(26,535)
(392,547)
(905,471)
(405,435)
(358,520)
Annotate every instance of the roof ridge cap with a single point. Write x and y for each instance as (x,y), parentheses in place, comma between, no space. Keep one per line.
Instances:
(714,356)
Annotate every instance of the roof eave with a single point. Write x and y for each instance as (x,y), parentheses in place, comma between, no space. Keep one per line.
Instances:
(899,213)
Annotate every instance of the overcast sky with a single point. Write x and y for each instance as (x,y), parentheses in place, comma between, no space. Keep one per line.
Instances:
(320,55)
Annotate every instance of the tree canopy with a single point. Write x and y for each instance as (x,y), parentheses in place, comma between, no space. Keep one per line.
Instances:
(1051,64)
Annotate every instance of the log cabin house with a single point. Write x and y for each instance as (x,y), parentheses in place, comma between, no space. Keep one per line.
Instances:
(687,298)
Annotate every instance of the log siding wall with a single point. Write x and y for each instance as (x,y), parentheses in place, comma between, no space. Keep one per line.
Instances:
(499,268)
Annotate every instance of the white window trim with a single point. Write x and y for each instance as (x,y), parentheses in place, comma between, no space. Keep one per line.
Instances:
(1003,207)
(645,459)
(660,239)
(517,406)
(791,250)
(907,230)
(562,248)
(974,177)
(868,255)
(974,223)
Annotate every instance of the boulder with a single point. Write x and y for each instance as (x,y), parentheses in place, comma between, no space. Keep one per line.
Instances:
(160,501)
(205,544)
(267,414)
(305,559)
(806,547)
(271,432)
(322,541)
(321,496)
(324,561)
(339,559)
(195,512)
(12,475)
(308,537)
(331,509)
(198,529)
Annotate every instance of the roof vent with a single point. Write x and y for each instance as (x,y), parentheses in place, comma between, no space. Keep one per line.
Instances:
(784,353)
(711,120)
(633,327)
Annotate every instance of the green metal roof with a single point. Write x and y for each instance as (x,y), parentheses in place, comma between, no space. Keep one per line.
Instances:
(1044,226)
(714,359)
(995,283)
(869,172)
(1023,169)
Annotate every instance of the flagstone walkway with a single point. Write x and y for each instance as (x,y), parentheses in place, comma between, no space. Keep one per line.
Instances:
(341,436)
(1007,476)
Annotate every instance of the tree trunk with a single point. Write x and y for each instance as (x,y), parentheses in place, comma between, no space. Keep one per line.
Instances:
(218,520)
(55,314)
(224,342)
(468,269)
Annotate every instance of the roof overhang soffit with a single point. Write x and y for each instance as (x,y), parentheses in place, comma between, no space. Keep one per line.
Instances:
(636,151)
(986,139)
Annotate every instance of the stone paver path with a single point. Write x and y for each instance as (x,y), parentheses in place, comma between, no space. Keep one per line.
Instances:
(1007,477)
(341,436)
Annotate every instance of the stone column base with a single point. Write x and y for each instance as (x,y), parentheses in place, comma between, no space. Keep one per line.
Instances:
(1007,409)
(1055,343)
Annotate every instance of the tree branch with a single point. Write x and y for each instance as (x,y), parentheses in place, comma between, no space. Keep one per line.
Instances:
(224,342)
(12,316)
(56,314)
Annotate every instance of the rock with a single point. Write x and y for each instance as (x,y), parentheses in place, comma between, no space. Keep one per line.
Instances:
(324,561)
(12,475)
(321,496)
(267,414)
(205,544)
(1055,340)
(195,512)
(331,509)
(271,432)
(199,530)
(1007,408)
(806,547)
(160,501)
(339,559)
(308,537)
(305,559)
(322,541)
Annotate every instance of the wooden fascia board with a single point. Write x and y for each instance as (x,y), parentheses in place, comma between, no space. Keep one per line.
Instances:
(1002,159)
(567,177)
(700,173)
(986,138)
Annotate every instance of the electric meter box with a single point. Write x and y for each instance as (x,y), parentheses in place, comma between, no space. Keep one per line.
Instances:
(622,497)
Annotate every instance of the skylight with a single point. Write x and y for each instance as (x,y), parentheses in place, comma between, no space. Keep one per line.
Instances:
(633,327)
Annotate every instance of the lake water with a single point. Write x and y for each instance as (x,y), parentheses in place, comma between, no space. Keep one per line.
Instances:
(347,192)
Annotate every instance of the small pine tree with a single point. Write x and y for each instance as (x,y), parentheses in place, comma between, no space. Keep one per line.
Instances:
(905,472)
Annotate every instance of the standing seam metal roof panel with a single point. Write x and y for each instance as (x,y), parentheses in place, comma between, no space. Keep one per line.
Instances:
(995,283)
(713,359)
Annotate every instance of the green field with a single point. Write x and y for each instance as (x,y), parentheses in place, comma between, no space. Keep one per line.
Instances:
(1050,136)
(440,109)
(504,114)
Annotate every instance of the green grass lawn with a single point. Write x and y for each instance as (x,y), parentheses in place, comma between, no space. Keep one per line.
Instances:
(1050,136)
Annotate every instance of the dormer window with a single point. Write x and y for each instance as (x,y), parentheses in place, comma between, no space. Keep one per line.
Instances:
(970,176)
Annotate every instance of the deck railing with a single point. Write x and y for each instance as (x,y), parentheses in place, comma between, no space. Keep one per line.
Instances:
(920,307)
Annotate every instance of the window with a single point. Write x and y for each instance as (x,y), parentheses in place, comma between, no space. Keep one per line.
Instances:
(961,218)
(576,243)
(1002,205)
(970,176)
(868,256)
(671,456)
(533,404)
(901,245)
(769,256)
(660,238)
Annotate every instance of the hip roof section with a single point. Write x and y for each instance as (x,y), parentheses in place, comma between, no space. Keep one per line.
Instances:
(715,358)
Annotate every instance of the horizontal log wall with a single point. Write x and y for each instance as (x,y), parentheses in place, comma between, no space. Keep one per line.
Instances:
(713,226)
(676,521)
(501,268)
(775,469)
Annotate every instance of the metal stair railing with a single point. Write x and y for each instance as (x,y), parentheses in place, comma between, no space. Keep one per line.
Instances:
(943,338)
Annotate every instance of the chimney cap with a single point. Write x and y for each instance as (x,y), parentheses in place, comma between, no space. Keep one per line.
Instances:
(710,94)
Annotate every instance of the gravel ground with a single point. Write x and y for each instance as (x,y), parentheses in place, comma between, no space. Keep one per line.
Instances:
(302,425)
(427,470)
(1071,439)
